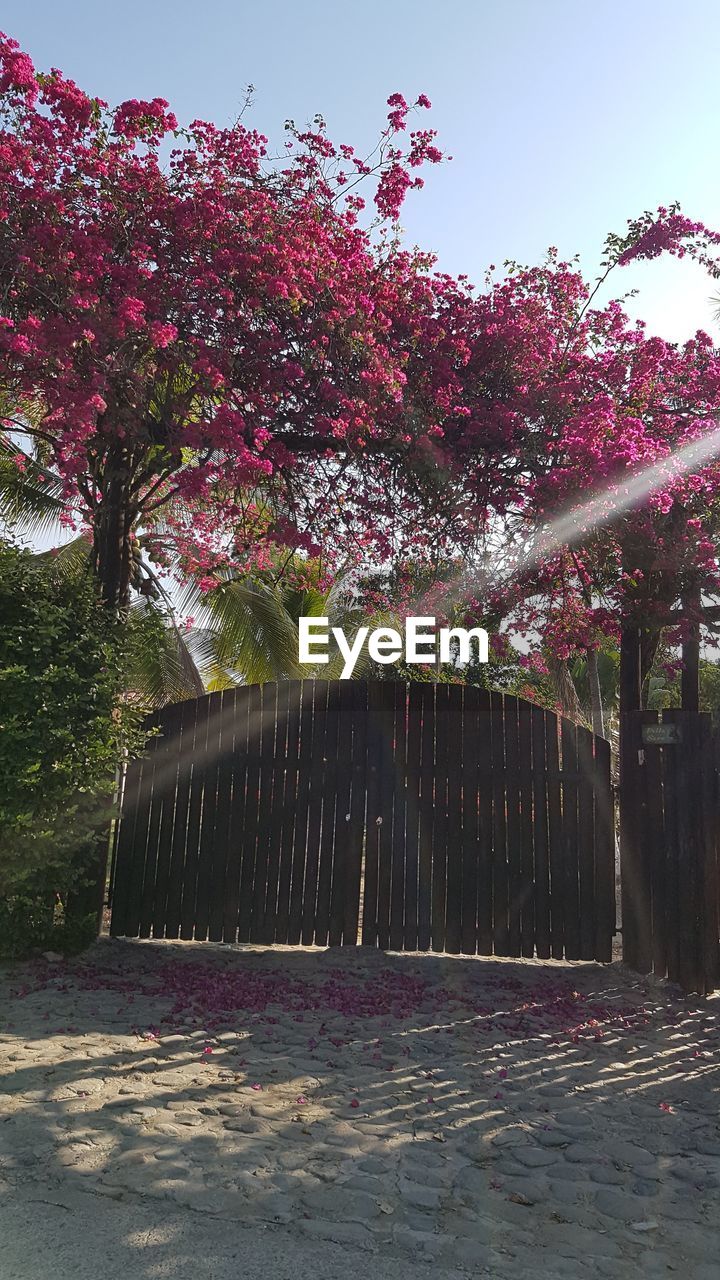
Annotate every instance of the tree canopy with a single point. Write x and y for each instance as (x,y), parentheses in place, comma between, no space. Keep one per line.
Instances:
(226,353)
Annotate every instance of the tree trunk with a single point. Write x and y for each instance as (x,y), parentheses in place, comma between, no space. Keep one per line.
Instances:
(112,560)
(565,689)
(112,565)
(690,678)
(596,707)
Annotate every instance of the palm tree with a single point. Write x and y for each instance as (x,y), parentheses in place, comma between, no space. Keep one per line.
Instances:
(602,672)
(250,626)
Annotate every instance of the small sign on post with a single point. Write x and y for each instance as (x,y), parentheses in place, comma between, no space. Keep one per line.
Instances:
(661,735)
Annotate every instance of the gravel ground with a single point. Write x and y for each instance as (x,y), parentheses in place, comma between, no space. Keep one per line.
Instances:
(237,1110)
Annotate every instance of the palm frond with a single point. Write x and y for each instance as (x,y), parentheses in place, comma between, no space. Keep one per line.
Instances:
(254,634)
(164,670)
(69,560)
(30,494)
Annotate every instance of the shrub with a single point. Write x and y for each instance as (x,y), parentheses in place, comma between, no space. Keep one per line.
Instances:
(63,729)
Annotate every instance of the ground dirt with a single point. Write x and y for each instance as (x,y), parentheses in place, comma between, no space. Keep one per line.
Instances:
(180,1109)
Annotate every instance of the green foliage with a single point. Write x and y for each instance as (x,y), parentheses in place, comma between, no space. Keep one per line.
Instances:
(28,923)
(250,631)
(608,660)
(158,666)
(63,730)
(664,690)
(508,675)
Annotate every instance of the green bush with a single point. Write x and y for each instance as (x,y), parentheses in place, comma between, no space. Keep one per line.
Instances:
(63,730)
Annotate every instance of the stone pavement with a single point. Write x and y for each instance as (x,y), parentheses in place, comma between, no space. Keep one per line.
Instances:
(495,1117)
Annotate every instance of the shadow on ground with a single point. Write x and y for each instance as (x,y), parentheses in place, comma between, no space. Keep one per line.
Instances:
(480,1114)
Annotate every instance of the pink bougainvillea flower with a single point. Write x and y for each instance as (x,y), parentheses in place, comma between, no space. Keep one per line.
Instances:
(233,264)
(256,1087)
(301,1100)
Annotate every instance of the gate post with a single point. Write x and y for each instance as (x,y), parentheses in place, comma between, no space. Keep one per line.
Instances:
(634,880)
(668,848)
(709,881)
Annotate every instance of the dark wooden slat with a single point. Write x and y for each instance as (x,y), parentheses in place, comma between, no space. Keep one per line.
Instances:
(571,894)
(356,826)
(556,836)
(454,860)
(399,844)
(645,800)
(710,885)
(527,908)
(329,807)
(162,782)
(192,846)
(317,772)
(371,875)
(300,829)
(586,842)
(275,820)
(268,693)
(288,810)
(440,818)
(252,803)
(485,825)
(653,852)
(540,835)
(631,783)
(128,838)
(514,852)
(176,872)
(223,807)
(233,865)
(412,816)
(687,766)
(645,854)
(604,854)
(139,879)
(341,880)
(386,791)
(500,892)
(206,860)
(426,694)
(470,769)
(168,781)
(672,798)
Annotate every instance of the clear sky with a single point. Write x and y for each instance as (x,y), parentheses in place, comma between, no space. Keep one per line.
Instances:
(564,117)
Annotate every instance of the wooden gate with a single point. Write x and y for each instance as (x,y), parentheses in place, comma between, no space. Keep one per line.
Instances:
(409,817)
(669,832)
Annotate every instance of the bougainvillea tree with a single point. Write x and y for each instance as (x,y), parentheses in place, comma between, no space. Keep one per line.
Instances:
(220,349)
(612,528)
(192,321)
